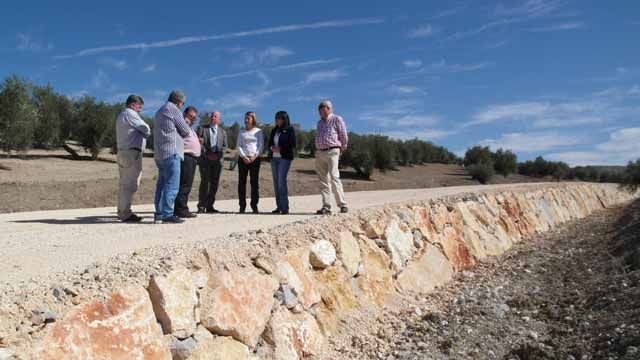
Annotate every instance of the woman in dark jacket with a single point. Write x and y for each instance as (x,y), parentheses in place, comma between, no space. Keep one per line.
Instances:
(282,145)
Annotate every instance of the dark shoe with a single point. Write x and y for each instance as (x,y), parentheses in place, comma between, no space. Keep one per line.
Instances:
(284,212)
(201,210)
(173,220)
(276,211)
(187,215)
(242,209)
(254,209)
(323,211)
(212,211)
(344,210)
(133,218)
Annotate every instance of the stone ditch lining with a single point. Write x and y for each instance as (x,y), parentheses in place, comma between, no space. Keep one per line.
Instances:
(281,301)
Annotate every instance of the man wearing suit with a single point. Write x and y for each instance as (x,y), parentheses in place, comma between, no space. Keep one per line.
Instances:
(214,142)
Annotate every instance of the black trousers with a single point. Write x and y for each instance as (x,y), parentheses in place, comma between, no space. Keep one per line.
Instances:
(253,170)
(187,173)
(210,171)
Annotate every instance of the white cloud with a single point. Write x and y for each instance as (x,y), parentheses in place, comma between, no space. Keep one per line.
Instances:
(234,35)
(442,66)
(253,58)
(325,75)
(449,12)
(560,27)
(149,68)
(113,62)
(634,91)
(412,63)
(100,79)
(421,31)
(406,90)
(530,8)
(25,42)
(422,134)
(532,142)
(621,147)
(601,107)
(238,100)
(277,68)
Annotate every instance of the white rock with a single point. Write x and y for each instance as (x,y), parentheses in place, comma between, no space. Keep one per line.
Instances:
(349,252)
(399,245)
(322,254)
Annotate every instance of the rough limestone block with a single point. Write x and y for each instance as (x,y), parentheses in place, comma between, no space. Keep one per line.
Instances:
(175,302)
(238,304)
(294,336)
(295,270)
(221,348)
(399,245)
(349,252)
(376,281)
(122,327)
(431,270)
(322,254)
(337,297)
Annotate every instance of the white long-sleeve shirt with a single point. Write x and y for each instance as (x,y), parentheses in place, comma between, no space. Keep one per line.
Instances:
(250,142)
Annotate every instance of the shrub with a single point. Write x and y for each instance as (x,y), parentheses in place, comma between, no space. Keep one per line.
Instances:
(483,172)
(478,155)
(18,115)
(632,176)
(95,121)
(505,162)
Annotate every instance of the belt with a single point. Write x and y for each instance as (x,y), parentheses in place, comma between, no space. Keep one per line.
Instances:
(331,148)
(193,156)
(136,149)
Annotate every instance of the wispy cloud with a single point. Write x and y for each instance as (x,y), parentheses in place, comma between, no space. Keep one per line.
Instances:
(449,12)
(149,68)
(286,67)
(421,31)
(113,62)
(412,63)
(25,42)
(560,27)
(422,134)
(599,108)
(100,79)
(533,142)
(324,75)
(621,147)
(262,57)
(442,66)
(406,90)
(488,26)
(233,35)
(530,8)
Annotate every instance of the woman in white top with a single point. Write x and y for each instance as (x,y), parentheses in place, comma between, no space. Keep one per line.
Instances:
(250,147)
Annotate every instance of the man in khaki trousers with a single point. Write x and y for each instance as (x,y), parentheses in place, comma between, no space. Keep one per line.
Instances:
(331,141)
(131,135)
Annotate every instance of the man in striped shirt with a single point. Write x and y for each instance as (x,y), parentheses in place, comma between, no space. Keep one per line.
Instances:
(169,128)
(331,141)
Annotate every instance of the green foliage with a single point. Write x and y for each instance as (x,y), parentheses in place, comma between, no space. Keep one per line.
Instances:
(542,168)
(632,176)
(478,155)
(232,134)
(95,122)
(18,116)
(483,172)
(48,121)
(505,162)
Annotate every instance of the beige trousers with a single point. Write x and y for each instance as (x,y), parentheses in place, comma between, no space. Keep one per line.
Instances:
(328,173)
(130,168)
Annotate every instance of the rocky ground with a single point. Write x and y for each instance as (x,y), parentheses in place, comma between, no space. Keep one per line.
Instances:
(572,293)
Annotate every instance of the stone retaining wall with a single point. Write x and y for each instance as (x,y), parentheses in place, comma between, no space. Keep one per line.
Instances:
(284,306)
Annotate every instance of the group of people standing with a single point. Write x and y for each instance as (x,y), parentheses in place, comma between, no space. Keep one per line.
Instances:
(179,150)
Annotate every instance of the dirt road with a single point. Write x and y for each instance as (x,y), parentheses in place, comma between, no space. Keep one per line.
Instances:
(34,244)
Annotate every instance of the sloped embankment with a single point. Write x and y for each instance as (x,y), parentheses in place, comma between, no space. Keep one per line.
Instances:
(285,301)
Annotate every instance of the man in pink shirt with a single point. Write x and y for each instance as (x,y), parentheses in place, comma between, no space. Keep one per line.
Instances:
(331,141)
(187,166)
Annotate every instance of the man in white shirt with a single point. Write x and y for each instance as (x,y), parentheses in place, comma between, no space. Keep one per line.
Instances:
(131,135)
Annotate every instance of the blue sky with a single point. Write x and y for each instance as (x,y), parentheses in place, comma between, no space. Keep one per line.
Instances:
(559,78)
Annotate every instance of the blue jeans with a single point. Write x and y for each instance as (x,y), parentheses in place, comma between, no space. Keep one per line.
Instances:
(167,186)
(280,170)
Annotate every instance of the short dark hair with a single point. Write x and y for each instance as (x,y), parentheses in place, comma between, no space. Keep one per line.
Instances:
(285,117)
(134,99)
(190,108)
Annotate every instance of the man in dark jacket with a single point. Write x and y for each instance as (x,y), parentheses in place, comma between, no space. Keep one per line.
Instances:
(214,142)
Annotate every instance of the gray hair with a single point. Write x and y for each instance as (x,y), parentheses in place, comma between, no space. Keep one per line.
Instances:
(176,96)
(326,103)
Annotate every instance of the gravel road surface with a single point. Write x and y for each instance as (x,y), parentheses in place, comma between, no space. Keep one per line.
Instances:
(34,244)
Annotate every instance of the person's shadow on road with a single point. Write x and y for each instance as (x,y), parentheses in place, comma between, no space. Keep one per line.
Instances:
(83,220)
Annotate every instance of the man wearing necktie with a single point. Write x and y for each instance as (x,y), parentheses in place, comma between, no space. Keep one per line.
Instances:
(214,142)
